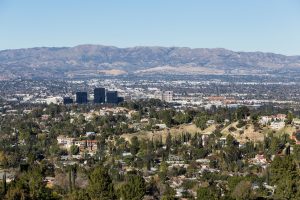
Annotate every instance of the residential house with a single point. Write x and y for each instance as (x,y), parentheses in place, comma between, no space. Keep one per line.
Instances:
(259,159)
(65,142)
(277,125)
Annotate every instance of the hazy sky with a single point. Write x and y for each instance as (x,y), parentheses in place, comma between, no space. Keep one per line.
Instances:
(244,25)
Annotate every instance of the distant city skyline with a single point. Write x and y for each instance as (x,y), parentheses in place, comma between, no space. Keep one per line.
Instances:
(267,26)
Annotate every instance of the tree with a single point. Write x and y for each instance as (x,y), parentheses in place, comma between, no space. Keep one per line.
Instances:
(149,155)
(240,124)
(201,122)
(70,181)
(182,118)
(134,145)
(197,141)
(100,185)
(169,193)
(30,185)
(74,150)
(242,112)
(242,190)
(296,150)
(152,188)
(230,140)
(254,117)
(163,171)
(289,118)
(4,185)
(72,178)
(3,159)
(284,175)
(275,145)
(166,117)
(168,142)
(232,129)
(79,195)
(134,187)
(209,192)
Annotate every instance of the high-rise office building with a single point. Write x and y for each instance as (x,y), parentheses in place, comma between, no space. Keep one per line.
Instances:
(164,96)
(112,97)
(168,96)
(81,97)
(68,100)
(120,99)
(158,95)
(99,95)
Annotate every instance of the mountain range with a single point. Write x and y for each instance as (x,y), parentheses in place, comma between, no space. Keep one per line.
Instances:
(95,60)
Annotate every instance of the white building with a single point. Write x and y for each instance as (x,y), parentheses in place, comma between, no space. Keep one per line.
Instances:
(168,96)
(158,95)
(267,119)
(277,125)
(65,142)
(164,96)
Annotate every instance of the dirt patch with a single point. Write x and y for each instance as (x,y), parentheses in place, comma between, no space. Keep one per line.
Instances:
(114,72)
(174,131)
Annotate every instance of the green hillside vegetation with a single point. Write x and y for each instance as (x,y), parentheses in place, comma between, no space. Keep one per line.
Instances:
(146,149)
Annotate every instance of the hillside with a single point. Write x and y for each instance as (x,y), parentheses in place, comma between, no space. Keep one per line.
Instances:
(90,60)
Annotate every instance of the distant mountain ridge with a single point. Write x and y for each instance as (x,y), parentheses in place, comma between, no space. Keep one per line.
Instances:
(89,60)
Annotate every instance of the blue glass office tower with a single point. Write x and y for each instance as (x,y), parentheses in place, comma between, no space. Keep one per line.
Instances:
(99,95)
(112,97)
(68,100)
(81,97)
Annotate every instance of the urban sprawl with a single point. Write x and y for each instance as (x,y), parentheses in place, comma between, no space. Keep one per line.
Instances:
(141,138)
